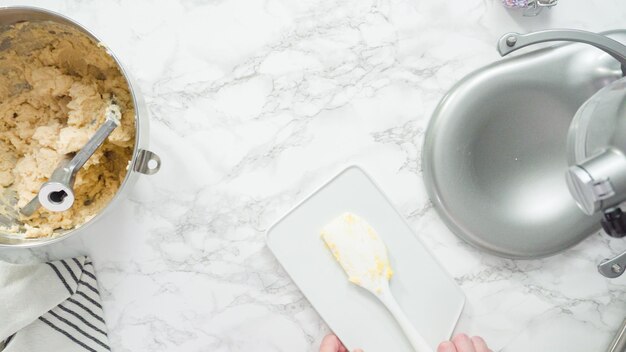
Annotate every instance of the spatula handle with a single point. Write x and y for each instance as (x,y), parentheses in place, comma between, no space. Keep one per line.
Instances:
(415,338)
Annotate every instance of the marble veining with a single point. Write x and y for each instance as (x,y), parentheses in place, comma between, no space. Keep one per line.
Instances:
(254,104)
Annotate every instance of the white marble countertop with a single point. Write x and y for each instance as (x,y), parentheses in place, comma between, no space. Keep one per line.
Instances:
(255,103)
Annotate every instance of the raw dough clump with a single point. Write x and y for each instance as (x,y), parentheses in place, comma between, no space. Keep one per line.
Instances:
(55,84)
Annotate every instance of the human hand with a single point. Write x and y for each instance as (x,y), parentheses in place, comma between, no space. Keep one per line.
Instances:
(332,344)
(459,343)
(463,343)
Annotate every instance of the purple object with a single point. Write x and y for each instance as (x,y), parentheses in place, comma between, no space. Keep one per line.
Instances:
(516,3)
(533,7)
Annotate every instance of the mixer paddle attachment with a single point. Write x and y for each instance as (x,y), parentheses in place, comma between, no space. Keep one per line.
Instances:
(58,194)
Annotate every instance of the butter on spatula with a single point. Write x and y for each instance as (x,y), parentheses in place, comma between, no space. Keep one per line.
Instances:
(363,256)
(359,251)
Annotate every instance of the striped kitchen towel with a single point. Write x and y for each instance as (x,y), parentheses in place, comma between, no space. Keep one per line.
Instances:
(53,306)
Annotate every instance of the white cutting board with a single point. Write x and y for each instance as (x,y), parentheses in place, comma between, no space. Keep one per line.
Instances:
(428,295)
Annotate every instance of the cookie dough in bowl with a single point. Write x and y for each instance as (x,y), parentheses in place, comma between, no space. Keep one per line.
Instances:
(55,84)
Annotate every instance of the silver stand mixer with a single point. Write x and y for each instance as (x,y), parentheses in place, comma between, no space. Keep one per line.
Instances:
(596,141)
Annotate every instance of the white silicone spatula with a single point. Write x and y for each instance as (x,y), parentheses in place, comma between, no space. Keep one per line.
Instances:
(363,256)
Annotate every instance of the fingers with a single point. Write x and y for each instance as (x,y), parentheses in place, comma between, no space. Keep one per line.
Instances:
(479,344)
(463,343)
(331,343)
(446,346)
(459,343)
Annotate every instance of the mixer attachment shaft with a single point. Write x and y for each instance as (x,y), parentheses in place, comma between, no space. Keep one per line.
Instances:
(57,194)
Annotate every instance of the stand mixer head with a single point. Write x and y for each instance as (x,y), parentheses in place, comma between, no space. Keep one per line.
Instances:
(596,142)
(597,175)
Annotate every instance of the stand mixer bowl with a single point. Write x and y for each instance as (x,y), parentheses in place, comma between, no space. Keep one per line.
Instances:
(143,161)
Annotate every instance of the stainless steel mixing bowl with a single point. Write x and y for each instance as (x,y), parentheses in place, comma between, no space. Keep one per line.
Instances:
(143,161)
(495,156)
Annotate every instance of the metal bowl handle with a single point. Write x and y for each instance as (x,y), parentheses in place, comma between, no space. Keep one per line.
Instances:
(510,42)
(148,163)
